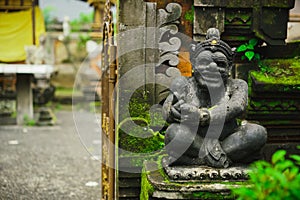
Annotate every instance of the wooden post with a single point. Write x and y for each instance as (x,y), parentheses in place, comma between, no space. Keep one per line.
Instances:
(111,152)
(24,98)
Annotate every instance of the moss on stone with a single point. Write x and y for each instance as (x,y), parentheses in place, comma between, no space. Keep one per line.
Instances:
(189,15)
(281,105)
(135,133)
(279,71)
(161,182)
(146,187)
(140,141)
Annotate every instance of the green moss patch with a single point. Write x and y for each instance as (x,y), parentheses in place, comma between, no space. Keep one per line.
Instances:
(140,140)
(146,187)
(137,132)
(279,71)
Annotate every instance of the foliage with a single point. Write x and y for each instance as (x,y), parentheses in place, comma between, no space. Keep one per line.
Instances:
(139,144)
(28,121)
(13,114)
(249,52)
(83,19)
(146,187)
(76,24)
(140,107)
(189,15)
(141,138)
(83,38)
(248,49)
(279,179)
(47,14)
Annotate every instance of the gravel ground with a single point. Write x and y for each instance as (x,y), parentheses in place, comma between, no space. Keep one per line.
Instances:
(51,162)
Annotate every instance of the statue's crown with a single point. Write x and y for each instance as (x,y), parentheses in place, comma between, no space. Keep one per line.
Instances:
(212,43)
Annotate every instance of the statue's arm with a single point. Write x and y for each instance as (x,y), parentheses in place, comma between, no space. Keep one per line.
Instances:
(233,108)
(170,114)
(239,99)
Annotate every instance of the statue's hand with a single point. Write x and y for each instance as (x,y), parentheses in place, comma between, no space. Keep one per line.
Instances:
(175,114)
(175,110)
(189,113)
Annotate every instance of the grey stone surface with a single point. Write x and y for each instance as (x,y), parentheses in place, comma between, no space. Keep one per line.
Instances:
(165,188)
(50,162)
(24,97)
(205,173)
(142,27)
(207,18)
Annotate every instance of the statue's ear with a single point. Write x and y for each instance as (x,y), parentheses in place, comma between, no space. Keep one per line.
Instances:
(192,51)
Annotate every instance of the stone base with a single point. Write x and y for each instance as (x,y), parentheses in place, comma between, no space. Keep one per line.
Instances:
(205,173)
(46,117)
(156,184)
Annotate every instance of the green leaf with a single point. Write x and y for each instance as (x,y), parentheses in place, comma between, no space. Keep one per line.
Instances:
(257,56)
(245,193)
(283,165)
(295,157)
(249,55)
(294,171)
(261,164)
(241,48)
(250,47)
(278,156)
(295,193)
(253,42)
(281,178)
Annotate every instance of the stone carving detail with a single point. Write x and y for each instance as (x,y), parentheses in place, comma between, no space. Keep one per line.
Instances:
(169,44)
(279,105)
(168,19)
(204,173)
(233,17)
(166,80)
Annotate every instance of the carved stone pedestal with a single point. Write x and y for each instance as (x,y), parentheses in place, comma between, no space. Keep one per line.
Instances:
(190,182)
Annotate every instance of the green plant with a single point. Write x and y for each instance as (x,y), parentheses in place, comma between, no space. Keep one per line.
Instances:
(279,71)
(249,52)
(189,15)
(28,121)
(279,179)
(83,19)
(140,107)
(47,14)
(13,114)
(248,49)
(83,38)
(141,138)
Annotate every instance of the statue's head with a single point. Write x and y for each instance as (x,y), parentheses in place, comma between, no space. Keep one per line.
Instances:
(212,60)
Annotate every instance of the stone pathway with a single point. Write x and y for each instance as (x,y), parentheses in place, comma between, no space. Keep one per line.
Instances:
(51,162)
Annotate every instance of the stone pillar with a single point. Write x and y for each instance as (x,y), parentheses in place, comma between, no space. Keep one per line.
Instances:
(24,98)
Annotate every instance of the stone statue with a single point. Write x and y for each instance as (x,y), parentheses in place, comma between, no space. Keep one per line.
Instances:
(37,54)
(203,109)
